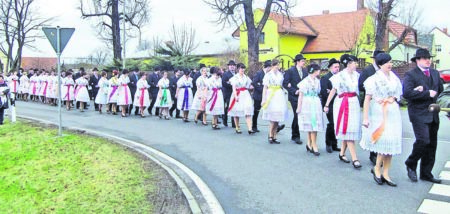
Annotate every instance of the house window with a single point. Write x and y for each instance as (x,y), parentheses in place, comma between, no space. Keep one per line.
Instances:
(362,62)
(438,48)
(261,38)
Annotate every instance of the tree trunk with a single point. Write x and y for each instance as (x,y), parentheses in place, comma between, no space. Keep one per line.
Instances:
(384,10)
(115,24)
(253,42)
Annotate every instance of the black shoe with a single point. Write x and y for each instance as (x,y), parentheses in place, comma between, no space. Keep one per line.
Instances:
(308,149)
(377,179)
(279,128)
(432,180)
(329,149)
(315,153)
(225,124)
(411,174)
(336,149)
(297,141)
(390,183)
(373,159)
(178,117)
(255,129)
(357,164)
(343,158)
(250,132)
(275,141)
(238,131)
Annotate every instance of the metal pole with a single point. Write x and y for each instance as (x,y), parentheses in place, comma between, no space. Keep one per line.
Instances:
(58,54)
(124,35)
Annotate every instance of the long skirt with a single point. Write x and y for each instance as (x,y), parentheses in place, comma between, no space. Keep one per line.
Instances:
(141,98)
(353,128)
(243,107)
(67,92)
(102,96)
(311,117)
(184,99)
(276,108)
(165,100)
(113,94)
(214,104)
(124,96)
(82,94)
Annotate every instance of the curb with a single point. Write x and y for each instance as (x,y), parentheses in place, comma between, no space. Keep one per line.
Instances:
(199,196)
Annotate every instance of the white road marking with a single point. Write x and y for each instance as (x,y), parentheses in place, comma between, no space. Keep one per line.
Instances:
(432,206)
(440,189)
(445,175)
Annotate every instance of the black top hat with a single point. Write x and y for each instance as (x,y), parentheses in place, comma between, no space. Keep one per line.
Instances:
(421,53)
(299,57)
(231,62)
(267,63)
(201,66)
(332,61)
(376,52)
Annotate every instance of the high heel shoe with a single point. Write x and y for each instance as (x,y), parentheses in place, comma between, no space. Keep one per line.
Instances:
(343,158)
(388,182)
(100,111)
(315,153)
(238,131)
(250,132)
(377,179)
(307,148)
(275,141)
(204,123)
(123,115)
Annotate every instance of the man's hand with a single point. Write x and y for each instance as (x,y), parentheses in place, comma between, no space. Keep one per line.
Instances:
(433,93)
(296,92)
(418,88)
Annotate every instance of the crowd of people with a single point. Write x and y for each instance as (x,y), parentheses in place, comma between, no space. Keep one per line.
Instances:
(327,104)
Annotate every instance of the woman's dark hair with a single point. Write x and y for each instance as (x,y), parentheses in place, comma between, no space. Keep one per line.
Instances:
(104,73)
(125,71)
(275,62)
(240,65)
(313,67)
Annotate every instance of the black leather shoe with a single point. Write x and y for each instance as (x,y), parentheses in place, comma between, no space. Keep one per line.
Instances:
(373,159)
(275,141)
(329,149)
(315,153)
(336,149)
(377,179)
(390,183)
(297,141)
(432,180)
(255,130)
(411,174)
(279,128)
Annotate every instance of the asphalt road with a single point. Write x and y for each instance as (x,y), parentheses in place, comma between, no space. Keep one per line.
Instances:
(248,175)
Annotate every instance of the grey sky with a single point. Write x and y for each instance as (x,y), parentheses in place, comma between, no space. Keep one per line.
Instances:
(195,12)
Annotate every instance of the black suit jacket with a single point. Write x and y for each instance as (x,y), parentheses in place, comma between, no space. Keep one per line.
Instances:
(291,79)
(418,102)
(152,80)
(258,86)
(325,88)
(194,81)
(366,73)
(76,76)
(93,82)
(173,86)
(227,89)
(133,83)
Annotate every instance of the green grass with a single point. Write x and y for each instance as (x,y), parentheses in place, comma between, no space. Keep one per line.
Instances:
(40,173)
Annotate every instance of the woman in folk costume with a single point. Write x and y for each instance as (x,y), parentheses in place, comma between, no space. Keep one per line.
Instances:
(112,92)
(184,94)
(141,97)
(164,98)
(273,103)
(50,93)
(123,93)
(24,86)
(309,109)
(102,95)
(346,109)
(34,87)
(241,101)
(67,90)
(214,105)
(201,95)
(81,91)
(44,86)
(382,123)
(13,84)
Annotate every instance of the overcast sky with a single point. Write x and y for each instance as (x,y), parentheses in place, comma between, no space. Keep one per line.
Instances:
(195,12)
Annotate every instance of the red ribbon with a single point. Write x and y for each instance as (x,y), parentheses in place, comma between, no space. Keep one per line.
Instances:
(343,111)
(15,86)
(45,89)
(68,92)
(238,91)
(213,98)
(34,87)
(126,93)
(141,99)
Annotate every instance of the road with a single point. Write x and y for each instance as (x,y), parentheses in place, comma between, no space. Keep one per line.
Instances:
(248,175)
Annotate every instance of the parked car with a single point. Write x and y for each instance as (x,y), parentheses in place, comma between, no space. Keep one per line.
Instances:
(445,76)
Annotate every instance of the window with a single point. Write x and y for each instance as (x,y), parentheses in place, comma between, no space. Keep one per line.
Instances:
(261,38)
(438,48)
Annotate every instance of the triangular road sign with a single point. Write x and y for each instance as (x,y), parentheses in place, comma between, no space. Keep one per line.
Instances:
(65,34)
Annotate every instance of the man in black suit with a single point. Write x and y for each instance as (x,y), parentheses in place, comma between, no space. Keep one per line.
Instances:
(227,90)
(366,73)
(292,77)
(195,75)
(421,87)
(134,77)
(258,87)
(173,89)
(325,88)
(93,82)
(152,80)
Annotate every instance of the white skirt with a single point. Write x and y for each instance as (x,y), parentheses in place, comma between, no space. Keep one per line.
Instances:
(102,96)
(113,95)
(218,108)
(180,99)
(124,96)
(67,93)
(197,103)
(390,141)
(311,117)
(82,94)
(24,88)
(354,119)
(145,98)
(244,107)
(34,89)
(165,104)
(277,108)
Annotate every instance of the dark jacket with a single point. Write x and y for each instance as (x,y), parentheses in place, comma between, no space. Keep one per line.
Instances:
(325,88)
(194,81)
(258,86)
(152,80)
(292,77)
(418,102)
(366,73)
(133,83)
(173,86)
(93,82)
(227,89)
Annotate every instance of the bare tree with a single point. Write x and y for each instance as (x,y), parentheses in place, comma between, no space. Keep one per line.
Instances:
(182,41)
(99,57)
(8,31)
(108,17)
(230,12)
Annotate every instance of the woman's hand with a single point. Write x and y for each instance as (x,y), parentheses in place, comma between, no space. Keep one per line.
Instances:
(299,109)
(366,122)
(325,109)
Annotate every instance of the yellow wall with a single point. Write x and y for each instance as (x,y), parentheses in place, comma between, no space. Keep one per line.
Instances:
(210,61)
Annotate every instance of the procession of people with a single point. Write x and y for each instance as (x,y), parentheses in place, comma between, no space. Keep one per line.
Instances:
(327,104)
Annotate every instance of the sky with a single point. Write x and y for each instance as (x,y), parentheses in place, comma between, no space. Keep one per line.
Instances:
(211,37)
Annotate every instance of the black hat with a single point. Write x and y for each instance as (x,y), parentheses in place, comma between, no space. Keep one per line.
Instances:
(421,53)
(231,62)
(201,66)
(332,61)
(376,52)
(313,67)
(382,59)
(136,69)
(346,58)
(267,63)
(157,68)
(299,57)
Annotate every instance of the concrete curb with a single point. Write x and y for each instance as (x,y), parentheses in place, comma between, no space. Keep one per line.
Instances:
(190,183)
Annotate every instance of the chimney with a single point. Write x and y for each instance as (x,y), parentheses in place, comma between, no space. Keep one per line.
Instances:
(445,30)
(360,4)
(326,12)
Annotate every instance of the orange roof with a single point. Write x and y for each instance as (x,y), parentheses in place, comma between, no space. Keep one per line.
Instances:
(398,28)
(47,63)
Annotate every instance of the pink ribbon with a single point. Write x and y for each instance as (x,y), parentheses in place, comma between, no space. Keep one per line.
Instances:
(68,92)
(45,88)
(34,87)
(15,85)
(213,98)
(126,93)
(141,99)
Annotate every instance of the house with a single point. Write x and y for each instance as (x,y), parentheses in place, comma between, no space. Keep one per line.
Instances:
(407,48)
(441,48)
(47,63)
(324,36)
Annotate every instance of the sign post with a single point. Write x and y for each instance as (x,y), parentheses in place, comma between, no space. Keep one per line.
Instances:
(58,38)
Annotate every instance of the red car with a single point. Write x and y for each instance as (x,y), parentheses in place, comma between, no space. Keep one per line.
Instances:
(445,76)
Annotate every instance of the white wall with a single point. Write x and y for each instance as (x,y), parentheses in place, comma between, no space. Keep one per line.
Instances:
(444,55)
(401,52)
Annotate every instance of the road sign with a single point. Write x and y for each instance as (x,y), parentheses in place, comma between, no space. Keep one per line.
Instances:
(65,34)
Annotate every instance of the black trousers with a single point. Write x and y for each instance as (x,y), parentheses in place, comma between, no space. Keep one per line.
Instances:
(257,108)
(295,128)
(225,116)
(424,148)
(2,112)
(174,108)
(153,104)
(94,95)
(330,135)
